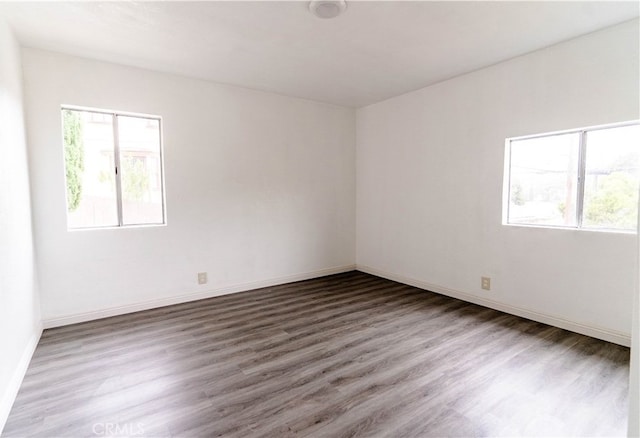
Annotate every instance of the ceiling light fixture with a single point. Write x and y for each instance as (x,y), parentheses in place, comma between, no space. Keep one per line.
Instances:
(327,8)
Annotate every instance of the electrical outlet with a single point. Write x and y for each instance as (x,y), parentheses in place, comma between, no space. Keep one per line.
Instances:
(485,283)
(202,278)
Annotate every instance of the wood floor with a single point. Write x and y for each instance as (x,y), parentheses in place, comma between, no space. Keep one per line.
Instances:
(345,355)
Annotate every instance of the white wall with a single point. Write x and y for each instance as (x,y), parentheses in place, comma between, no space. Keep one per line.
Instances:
(260,189)
(20,327)
(430,180)
(634,375)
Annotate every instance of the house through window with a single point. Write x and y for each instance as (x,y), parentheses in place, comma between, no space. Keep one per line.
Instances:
(113,166)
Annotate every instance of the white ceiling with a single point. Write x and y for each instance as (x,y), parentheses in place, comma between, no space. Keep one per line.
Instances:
(374,51)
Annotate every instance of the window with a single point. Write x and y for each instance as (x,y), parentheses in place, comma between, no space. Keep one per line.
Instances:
(585,178)
(113,165)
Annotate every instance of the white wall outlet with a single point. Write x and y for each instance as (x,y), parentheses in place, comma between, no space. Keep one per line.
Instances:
(485,283)
(202,278)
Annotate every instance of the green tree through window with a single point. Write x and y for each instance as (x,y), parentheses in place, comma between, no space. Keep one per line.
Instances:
(73,157)
(615,204)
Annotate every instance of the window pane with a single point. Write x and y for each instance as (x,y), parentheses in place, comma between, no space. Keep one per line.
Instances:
(90,169)
(543,180)
(141,170)
(611,178)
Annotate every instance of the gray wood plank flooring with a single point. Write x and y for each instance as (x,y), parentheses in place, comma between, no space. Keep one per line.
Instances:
(345,355)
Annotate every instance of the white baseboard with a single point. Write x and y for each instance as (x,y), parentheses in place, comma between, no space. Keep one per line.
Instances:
(6,402)
(178,299)
(616,337)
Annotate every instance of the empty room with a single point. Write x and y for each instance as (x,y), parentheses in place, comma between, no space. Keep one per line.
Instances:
(319,218)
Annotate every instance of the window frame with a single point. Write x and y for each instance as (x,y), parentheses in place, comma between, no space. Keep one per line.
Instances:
(580,189)
(117,168)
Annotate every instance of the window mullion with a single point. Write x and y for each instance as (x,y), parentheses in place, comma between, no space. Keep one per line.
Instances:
(118,169)
(582,158)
